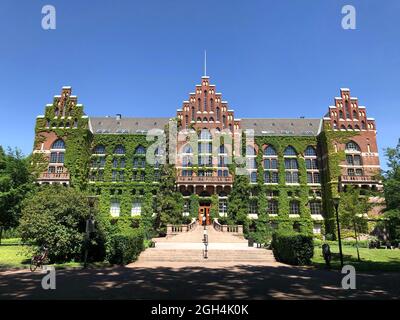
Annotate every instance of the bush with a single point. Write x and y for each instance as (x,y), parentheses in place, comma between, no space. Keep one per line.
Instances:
(56,217)
(293,248)
(125,247)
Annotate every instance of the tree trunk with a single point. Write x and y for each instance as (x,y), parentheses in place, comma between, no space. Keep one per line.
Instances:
(356,235)
(1,233)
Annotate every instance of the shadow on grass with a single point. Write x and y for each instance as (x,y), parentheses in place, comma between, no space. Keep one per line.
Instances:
(235,282)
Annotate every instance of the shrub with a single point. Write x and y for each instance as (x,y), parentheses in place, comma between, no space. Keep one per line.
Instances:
(293,248)
(125,246)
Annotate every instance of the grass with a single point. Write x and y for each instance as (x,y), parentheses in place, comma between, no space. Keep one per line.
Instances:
(371,259)
(15,255)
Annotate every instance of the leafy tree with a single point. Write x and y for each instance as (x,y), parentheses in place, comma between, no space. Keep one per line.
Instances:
(214,211)
(239,201)
(146,219)
(391,181)
(56,216)
(169,201)
(352,210)
(15,184)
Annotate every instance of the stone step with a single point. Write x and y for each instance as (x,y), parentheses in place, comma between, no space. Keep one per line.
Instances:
(253,254)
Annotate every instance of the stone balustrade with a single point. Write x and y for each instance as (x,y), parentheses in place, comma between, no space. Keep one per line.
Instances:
(235,229)
(174,229)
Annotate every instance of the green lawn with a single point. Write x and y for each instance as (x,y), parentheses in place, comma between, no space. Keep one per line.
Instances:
(14,255)
(371,259)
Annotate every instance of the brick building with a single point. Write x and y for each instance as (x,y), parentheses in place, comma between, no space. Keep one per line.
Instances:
(291,161)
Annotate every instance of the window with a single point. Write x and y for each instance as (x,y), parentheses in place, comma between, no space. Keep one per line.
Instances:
(222,149)
(313,177)
(58,144)
(352,146)
(272,207)
(115,208)
(270,151)
(51,169)
(99,150)
(156,175)
(311,164)
(253,177)
(205,135)
(223,207)
(193,114)
(349,159)
(289,151)
(291,164)
(270,164)
(114,175)
(119,149)
(310,152)
(292,177)
(350,172)
(253,208)
(57,157)
(187,149)
(271,177)
(115,163)
(218,114)
(294,207)
(316,207)
(359,172)
(140,150)
(136,208)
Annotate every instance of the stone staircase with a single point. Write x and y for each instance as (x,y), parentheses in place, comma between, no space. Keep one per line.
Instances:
(189,247)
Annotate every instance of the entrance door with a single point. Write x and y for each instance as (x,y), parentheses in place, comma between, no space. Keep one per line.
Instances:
(204,210)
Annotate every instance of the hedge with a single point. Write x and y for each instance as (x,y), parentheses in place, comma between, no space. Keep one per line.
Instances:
(292,247)
(125,247)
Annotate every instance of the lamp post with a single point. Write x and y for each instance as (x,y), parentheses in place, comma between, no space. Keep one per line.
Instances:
(336,205)
(89,227)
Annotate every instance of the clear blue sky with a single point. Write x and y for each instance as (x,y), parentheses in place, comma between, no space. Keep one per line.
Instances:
(283,58)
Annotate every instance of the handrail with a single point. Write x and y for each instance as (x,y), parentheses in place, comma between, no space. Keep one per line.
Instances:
(237,229)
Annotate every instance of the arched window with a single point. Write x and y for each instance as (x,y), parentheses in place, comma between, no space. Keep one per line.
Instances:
(204,119)
(211,119)
(211,103)
(270,151)
(140,150)
(193,114)
(290,151)
(310,151)
(224,119)
(205,100)
(342,127)
(199,104)
(58,144)
(363,125)
(355,114)
(187,149)
(100,149)
(356,127)
(119,149)
(198,119)
(253,177)
(349,127)
(218,114)
(352,146)
(341,114)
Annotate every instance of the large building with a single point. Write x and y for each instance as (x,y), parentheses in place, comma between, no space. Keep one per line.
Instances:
(297,165)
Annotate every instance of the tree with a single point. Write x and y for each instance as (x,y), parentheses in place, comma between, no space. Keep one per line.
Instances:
(56,217)
(352,210)
(391,181)
(239,201)
(15,184)
(146,219)
(169,201)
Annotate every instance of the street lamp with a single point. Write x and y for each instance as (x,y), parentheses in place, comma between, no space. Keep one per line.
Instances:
(336,205)
(89,226)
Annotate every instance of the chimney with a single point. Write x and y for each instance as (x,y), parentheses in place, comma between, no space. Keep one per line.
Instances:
(118,116)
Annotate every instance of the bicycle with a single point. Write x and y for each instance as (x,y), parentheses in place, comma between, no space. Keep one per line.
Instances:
(38,260)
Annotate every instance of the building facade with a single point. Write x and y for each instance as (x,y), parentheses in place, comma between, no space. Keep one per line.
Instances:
(296,166)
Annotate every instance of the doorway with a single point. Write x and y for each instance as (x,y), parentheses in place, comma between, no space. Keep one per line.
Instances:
(204,210)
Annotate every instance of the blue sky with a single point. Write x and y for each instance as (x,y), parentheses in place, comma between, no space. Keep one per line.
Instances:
(279,59)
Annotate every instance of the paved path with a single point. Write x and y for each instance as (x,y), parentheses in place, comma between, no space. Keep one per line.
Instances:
(199,281)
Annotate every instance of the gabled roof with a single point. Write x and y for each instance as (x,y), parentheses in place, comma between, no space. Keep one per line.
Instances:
(282,127)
